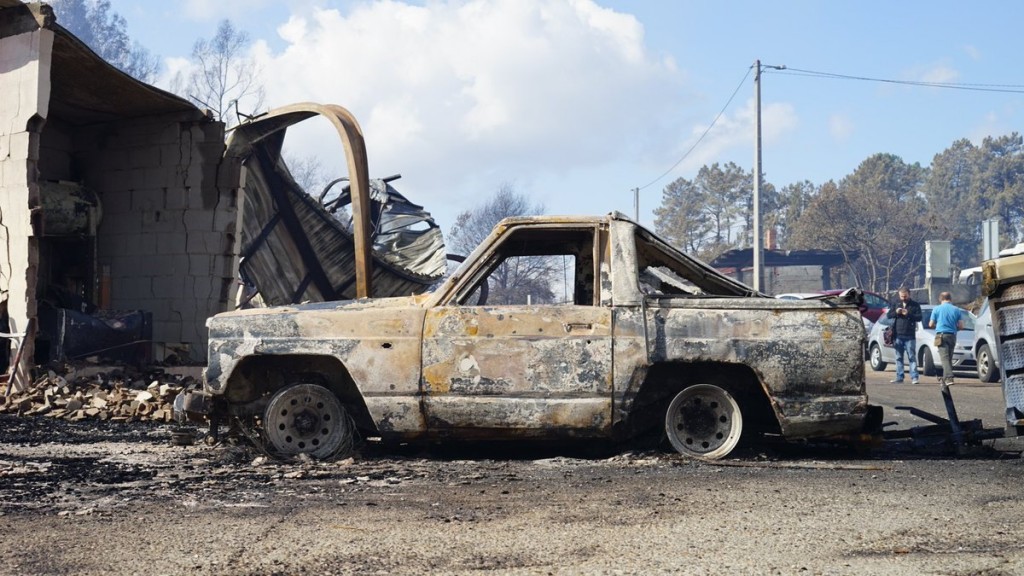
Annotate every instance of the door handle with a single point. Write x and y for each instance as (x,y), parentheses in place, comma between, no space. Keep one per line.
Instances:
(570,326)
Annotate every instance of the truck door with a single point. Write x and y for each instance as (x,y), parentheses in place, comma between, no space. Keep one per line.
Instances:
(534,358)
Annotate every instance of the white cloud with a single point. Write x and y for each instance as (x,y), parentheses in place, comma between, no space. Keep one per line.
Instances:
(972,52)
(454,91)
(995,123)
(734,135)
(840,126)
(939,74)
(206,11)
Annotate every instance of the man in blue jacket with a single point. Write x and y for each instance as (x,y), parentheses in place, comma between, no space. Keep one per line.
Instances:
(905,315)
(946,319)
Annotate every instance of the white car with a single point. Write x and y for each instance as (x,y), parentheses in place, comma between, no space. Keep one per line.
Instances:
(928,363)
(818,295)
(985,348)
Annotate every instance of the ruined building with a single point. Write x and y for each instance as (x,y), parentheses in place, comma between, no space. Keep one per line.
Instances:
(117,211)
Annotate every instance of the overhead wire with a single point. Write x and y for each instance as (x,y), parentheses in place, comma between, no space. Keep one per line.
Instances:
(708,129)
(1005,88)
(1002,88)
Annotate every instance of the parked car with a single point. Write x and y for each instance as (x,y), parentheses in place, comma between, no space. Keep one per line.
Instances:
(874,306)
(928,362)
(867,314)
(798,295)
(985,349)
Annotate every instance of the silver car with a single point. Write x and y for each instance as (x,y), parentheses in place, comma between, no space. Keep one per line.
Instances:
(928,362)
(985,349)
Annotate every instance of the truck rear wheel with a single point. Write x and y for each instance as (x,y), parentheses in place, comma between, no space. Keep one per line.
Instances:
(704,421)
(307,418)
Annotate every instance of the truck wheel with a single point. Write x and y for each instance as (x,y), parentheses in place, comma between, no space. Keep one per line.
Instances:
(703,421)
(875,360)
(987,371)
(307,418)
(927,362)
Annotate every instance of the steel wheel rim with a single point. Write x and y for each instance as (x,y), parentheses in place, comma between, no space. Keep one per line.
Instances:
(306,418)
(704,421)
(983,364)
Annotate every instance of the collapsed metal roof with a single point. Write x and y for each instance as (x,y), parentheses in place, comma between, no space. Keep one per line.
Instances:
(86,88)
(295,250)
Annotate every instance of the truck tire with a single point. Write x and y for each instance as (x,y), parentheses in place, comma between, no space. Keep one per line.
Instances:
(703,421)
(987,371)
(307,419)
(875,359)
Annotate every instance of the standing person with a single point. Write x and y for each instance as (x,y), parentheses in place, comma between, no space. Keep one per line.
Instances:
(905,314)
(946,319)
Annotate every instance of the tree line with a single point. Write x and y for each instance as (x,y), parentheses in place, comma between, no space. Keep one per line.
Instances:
(879,217)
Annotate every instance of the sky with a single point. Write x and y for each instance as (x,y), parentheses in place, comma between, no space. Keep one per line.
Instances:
(576,103)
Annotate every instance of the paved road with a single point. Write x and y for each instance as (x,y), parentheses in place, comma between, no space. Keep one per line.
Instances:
(973,400)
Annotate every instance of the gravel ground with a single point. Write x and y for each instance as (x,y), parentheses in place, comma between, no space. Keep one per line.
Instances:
(107,498)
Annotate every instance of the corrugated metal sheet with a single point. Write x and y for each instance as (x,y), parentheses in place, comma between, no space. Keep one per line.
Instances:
(294,250)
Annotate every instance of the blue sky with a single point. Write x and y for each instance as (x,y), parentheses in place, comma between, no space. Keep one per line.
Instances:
(576,102)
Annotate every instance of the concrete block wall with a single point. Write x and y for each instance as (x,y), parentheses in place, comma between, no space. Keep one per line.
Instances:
(167,235)
(24,92)
(169,213)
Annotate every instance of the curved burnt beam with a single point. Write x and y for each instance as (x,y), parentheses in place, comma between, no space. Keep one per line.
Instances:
(278,120)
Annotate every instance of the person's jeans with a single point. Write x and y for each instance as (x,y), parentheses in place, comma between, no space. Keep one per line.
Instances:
(946,355)
(908,346)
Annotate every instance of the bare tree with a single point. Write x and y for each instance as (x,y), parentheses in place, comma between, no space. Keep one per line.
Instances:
(877,217)
(223,77)
(517,277)
(308,172)
(106,33)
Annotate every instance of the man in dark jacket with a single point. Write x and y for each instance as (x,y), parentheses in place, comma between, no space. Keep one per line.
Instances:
(905,315)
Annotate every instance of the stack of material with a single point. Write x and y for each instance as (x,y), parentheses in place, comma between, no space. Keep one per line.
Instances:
(97,395)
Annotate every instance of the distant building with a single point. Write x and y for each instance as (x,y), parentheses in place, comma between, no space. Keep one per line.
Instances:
(785,270)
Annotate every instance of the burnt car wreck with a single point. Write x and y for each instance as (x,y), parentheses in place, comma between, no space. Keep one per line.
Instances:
(644,337)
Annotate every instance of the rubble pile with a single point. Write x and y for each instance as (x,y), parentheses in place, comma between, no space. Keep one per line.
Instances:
(98,394)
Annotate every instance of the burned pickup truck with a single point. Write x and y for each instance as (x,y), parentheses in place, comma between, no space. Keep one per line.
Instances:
(613,334)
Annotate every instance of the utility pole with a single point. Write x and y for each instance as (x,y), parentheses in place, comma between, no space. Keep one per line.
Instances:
(636,205)
(758,243)
(758,235)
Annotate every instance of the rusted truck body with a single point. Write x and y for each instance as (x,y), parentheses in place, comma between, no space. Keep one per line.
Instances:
(640,337)
(1003,283)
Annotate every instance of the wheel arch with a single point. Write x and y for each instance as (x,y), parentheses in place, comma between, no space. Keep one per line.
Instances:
(979,343)
(256,378)
(664,380)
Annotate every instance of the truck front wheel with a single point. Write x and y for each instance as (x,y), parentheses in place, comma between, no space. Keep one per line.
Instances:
(307,418)
(704,421)
(987,371)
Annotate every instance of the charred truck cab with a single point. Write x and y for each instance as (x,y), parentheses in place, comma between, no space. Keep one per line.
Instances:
(621,333)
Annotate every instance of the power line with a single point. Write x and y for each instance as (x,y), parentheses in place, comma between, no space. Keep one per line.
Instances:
(708,129)
(1004,88)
